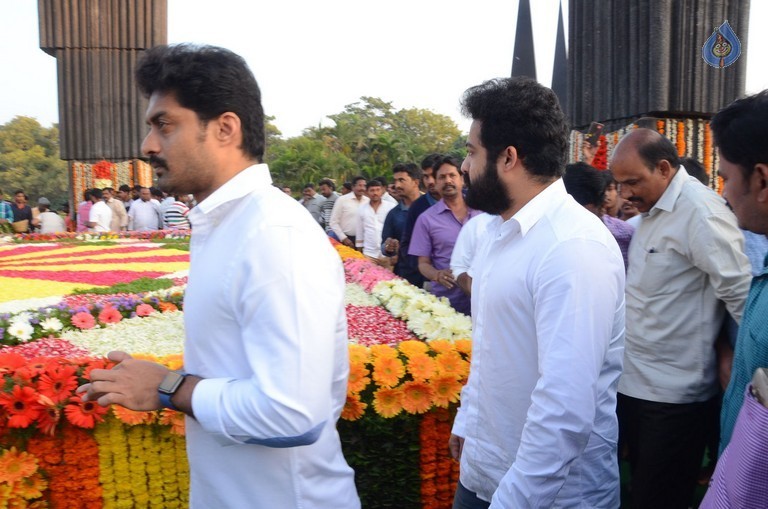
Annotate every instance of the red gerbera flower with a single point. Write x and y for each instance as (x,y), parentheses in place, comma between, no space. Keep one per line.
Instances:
(48,420)
(10,362)
(21,406)
(83,320)
(110,315)
(84,414)
(58,384)
(144,310)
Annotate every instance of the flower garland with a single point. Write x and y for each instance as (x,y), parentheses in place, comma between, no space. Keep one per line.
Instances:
(439,472)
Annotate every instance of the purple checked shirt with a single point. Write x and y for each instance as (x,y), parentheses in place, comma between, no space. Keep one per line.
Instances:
(435,235)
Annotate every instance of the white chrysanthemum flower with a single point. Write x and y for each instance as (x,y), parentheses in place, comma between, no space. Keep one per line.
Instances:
(159,334)
(357,296)
(51,324)
(21,330)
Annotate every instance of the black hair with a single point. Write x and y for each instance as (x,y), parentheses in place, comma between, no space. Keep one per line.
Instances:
(356,179)
(125,188)
(429,161)
(96,193)
(309,185)
(381,179)
(695,169)
(154,191)
(447,160)
(740,131)
(374,183)
(327,182)
(520,112)
(87,195)
(347,186)
(585,183)
(654,149)
(210,81)
(412,169)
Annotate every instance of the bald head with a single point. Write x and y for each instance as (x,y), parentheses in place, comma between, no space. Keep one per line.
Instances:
(643,164)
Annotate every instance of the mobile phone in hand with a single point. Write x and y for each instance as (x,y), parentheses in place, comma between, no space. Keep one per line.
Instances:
(593,135)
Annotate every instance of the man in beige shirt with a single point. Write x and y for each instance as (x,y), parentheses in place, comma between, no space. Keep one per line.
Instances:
(119,215)
(687,268)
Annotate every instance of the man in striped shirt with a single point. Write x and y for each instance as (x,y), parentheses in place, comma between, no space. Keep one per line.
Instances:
(175,217)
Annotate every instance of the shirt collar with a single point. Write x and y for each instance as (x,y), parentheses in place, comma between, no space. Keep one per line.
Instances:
(253,177)
(535,209)
(431,199)
(669,198)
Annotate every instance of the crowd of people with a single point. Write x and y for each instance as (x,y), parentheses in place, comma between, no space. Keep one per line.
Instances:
(102,210)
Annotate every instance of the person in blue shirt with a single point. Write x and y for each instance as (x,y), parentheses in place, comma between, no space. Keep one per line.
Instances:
(406,181)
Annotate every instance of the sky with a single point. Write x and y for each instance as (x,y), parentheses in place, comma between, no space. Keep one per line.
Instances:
(312,58)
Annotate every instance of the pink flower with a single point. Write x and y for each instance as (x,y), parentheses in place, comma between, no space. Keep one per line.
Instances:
(83,320)
(110,315)
(144,310)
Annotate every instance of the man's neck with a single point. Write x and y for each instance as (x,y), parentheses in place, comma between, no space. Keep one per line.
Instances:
(408,200)
(374,205)
(524,195)
(455,202)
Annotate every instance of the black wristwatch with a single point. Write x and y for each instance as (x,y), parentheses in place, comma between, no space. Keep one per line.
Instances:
(169,386)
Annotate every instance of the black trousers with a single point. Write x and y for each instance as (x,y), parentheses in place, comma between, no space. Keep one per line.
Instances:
(666,444)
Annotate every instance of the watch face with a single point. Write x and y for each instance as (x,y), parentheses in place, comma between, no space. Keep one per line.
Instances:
(171,383)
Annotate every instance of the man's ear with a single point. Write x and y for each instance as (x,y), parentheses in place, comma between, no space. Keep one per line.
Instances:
(228,128)
(760,181)
(665,168)
(508,159)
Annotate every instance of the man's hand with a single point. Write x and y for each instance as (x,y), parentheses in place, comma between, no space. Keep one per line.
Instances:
(456,446)
(348,243)
(445,278)
(131,383)
(465,283)
(588,151)
(391,246)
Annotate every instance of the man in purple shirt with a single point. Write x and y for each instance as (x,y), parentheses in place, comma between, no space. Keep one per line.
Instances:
(436,232)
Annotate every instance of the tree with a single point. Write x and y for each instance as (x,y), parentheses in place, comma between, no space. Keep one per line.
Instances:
(29,160)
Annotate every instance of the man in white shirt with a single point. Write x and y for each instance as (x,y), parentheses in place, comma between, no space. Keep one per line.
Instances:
(262,392)
(50,222)
(465,249)
(537,424)
(370,222)
(687,268)
(344,215)
(144,214)
(119,215)
(100,216)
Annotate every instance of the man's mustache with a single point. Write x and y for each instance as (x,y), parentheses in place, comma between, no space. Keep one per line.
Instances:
(155,161)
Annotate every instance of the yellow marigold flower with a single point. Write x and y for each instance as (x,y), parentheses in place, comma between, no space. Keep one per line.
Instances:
(132,417)
(358,378)
(446,390)
(451,364)
(347,252)
(388,402)
(421,366)
(358,353)
(387,371)
(353,408)
(16,465)
(411,347)
(378,351)
(442,345)
(417,397)
(463,346)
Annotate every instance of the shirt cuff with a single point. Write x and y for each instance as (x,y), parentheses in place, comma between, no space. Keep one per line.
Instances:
(207,403)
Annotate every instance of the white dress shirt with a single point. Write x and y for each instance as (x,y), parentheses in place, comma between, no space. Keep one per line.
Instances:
(100,214)
(686,266)
(51,222)
(266,329)
(369,225)
(144,216)
(538,413)
(344,215)
(467,242)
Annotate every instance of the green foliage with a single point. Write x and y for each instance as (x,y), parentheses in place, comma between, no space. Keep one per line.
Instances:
(369,137)
(145,284)
(29,160)
(385,456)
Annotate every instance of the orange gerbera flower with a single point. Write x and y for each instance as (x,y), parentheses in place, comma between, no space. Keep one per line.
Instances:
(29,488)
(167,307)
(451,363)
(16,465)
(176,420)
(353,408)
(378,351)
(463,346)
(417,397)
(110,315)
(48,420)
(358,353)
(34,367)
(83,320)
(446,390)
(21,406)
(411,347)
(10,362)
(132,417)
(92,364)
(421,366)
(387,371)
(144,310)
(84,414)
(442,346)
(388,402)
(358,378)
(58,383)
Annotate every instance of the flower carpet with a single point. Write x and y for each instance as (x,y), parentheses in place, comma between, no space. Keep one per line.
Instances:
(409,359)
